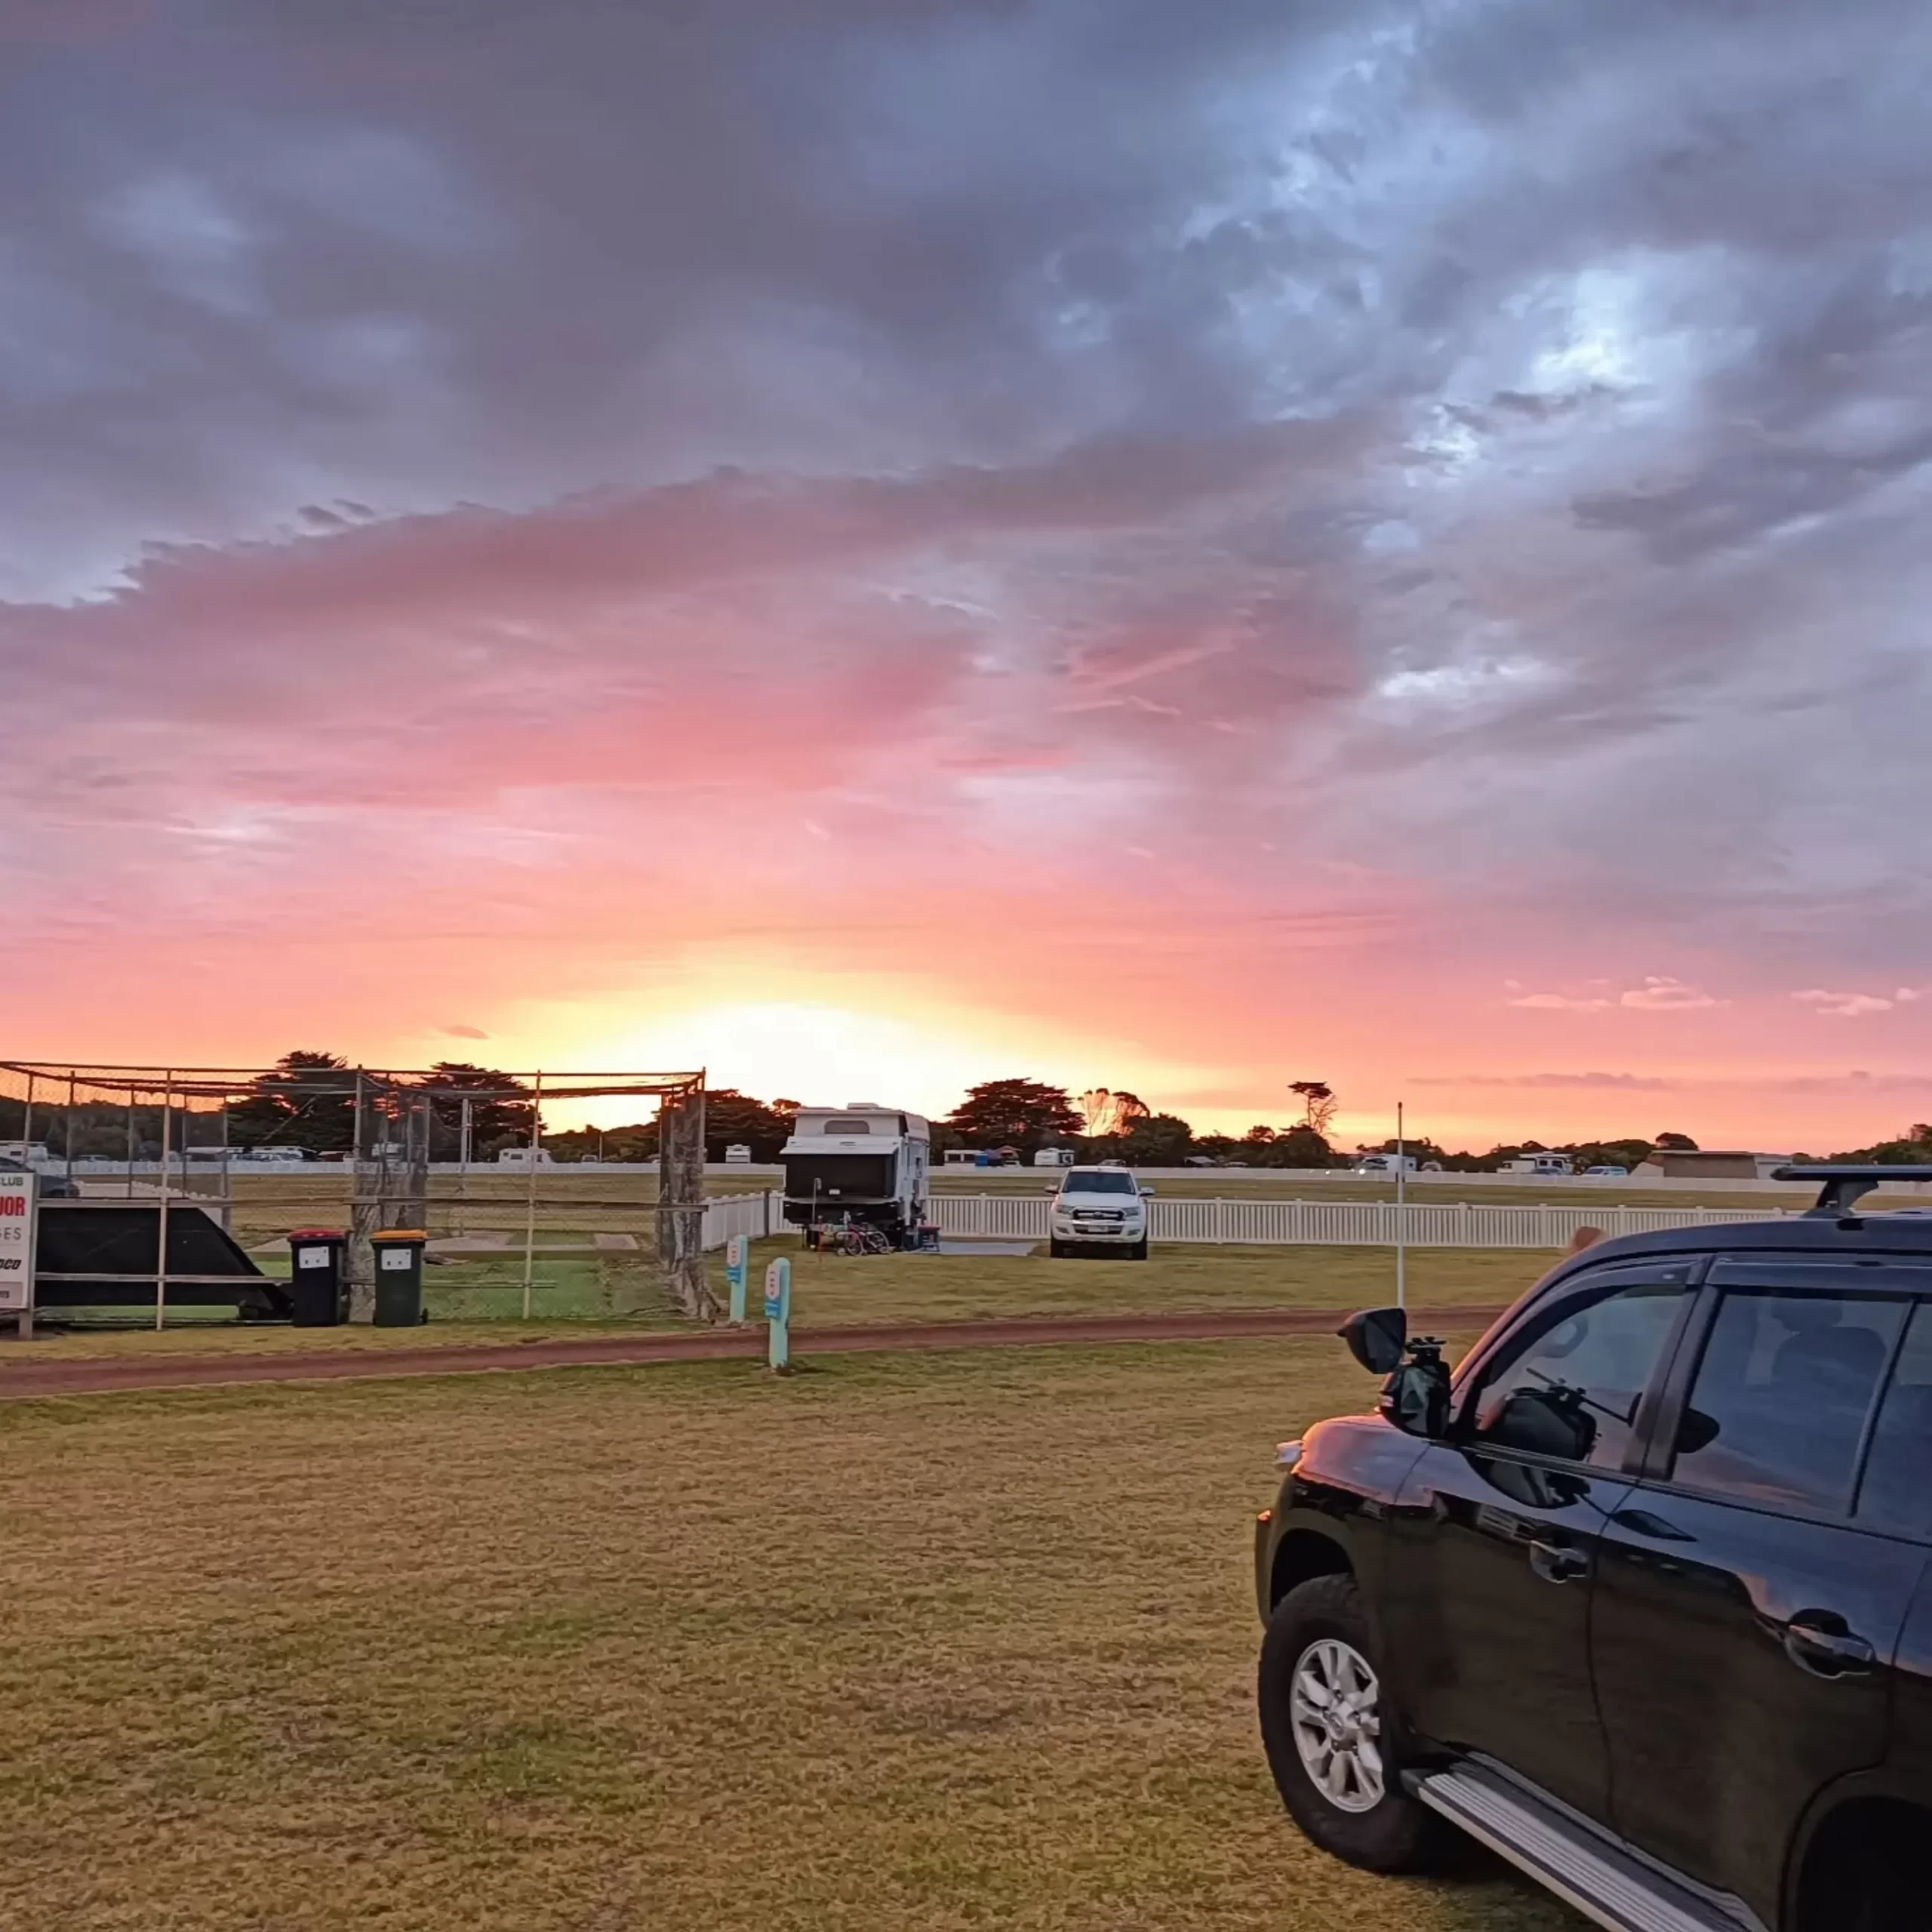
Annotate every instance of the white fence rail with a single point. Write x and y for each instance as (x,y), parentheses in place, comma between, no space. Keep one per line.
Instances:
(1341,1223)
(756,1215)
(1316,1180)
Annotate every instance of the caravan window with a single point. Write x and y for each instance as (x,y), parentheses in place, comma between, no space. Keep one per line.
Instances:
(848,1126)
(838,1176)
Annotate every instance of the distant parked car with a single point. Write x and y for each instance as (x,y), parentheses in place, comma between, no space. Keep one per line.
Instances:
(1606,1173)
(1386,1163)
(53,1187)
(526,1157)
(1536,1164)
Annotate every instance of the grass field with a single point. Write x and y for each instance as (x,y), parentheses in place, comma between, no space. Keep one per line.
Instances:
(828,1289)
(905,1644)
(471,1300)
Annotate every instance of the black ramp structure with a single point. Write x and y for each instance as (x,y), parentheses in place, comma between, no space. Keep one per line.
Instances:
(103,1254)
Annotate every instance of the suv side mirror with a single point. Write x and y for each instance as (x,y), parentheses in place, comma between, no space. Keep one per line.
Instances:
(1416,1397)
(1377,1338)
(1146,1190)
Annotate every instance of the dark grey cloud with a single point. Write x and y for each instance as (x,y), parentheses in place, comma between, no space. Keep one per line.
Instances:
(1490,439)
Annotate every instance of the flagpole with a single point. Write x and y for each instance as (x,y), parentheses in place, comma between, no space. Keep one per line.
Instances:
(1401,1213)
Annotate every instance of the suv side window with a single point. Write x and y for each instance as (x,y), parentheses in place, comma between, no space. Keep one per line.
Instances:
(1572,1389)
(1778,1409)
(1896,1494)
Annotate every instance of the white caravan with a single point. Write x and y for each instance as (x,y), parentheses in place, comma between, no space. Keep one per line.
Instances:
(858,1163)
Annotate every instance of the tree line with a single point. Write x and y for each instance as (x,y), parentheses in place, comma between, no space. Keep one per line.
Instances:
(1027,1115)
(305,1103)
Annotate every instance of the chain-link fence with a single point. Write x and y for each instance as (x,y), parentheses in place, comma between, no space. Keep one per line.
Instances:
(460,1154)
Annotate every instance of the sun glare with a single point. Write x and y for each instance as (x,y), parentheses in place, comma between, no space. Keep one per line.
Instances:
(794,1050)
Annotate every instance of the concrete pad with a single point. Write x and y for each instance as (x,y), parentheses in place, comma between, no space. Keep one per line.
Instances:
(616,1244)
(972,1244)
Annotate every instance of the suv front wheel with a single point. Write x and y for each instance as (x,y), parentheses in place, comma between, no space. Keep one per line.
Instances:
(1332,1742)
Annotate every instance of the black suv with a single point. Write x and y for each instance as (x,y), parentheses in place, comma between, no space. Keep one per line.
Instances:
(1641,1596)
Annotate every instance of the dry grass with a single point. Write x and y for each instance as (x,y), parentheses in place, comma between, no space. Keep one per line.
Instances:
(827,1289)
(831,1290)
(940,1642)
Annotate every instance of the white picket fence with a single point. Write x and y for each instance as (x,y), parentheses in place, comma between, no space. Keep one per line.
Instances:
(1421,1224)
(1274,1223)
(757,1215)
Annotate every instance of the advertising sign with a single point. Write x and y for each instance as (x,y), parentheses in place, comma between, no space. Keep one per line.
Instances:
(16,1227)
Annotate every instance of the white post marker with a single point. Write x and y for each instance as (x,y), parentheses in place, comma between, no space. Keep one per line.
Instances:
(16,1233)
(1401,1213)
(778,1316)
(737,1272)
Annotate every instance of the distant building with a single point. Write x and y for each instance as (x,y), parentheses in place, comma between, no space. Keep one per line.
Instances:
(1709,1164)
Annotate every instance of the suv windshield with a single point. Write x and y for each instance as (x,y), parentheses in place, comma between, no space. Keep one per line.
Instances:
(1099,1181)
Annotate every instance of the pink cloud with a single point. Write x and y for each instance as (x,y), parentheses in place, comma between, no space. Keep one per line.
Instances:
(1853,1005)
(1662,994)
(1658,993)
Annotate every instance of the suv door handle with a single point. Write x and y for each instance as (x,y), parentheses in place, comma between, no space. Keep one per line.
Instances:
(1558,1563)
(1813,1645)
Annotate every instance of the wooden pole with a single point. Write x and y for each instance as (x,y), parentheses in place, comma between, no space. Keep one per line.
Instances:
(680,1206)
(364,1208)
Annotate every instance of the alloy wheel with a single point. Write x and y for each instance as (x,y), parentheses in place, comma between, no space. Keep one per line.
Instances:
(1334,1707)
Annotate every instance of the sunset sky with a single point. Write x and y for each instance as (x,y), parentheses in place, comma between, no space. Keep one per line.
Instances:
(871,544)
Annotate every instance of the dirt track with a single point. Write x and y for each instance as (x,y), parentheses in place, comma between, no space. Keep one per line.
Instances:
(21,1378)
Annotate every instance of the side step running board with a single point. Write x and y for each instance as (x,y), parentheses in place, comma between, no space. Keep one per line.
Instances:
(1604,1883)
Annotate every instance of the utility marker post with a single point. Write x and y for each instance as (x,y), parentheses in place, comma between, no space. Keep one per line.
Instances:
(1401,1213)
(778,1316)
(737,1270)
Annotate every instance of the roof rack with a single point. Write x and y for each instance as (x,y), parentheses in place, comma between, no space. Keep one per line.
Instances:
(1843,1184)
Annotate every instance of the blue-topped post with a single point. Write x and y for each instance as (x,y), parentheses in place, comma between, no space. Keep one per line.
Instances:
(737,1272)
(778,1315)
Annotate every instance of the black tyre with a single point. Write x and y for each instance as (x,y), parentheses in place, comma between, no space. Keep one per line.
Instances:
(1332,1745)
(1057,1249)
(1138,1252)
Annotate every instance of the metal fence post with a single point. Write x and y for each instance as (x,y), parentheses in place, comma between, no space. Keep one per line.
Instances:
(161,1244)
(529,1215)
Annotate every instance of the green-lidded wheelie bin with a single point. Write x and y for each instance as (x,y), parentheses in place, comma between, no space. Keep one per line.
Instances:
(318,1282)
(399,1276)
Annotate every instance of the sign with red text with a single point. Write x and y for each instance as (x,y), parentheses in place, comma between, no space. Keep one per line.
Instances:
(17,1224)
